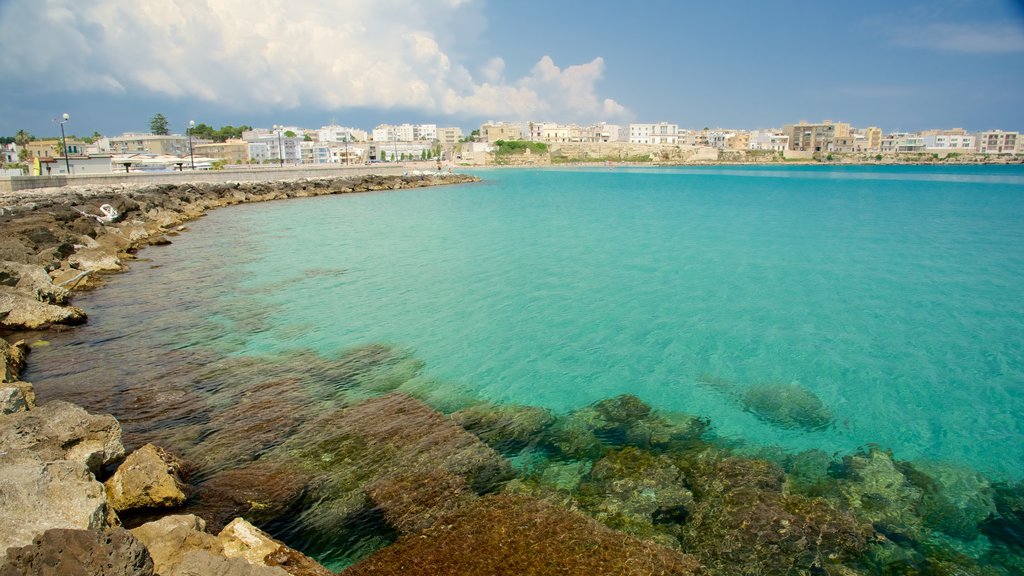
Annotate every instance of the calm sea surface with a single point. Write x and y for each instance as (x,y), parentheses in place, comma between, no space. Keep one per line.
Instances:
(893,294)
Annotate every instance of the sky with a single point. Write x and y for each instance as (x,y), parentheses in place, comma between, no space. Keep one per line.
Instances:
(902,65)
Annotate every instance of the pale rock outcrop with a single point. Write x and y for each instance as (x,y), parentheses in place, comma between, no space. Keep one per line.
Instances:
(107,552)
(149,477)
(95,259)
(21,310)
(180,546)
(243,540)
(32,279)
(60,430)
(36,496)
(12,360)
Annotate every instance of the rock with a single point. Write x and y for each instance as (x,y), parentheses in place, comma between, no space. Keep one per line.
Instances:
(12,360)
(506,428)
(955,501)
(414,502)
(743,523)
(32,279)
(787,405)
(22,311)
(62,431)
(95,259)
(149,477)
(180,546)
(107,552)
(520,535)
(260,490)
(639,493)
(37,495)
(171,537)
(241,539)
(875,488)
(12,399)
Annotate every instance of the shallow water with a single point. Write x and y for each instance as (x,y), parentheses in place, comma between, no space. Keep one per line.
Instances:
(889,299)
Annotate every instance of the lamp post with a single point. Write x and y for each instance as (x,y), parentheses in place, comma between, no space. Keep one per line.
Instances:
(280,148)
(396,145)
(64,142)
(191,157)
(346,148)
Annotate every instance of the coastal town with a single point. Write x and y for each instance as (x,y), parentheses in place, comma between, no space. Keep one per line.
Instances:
(201,147)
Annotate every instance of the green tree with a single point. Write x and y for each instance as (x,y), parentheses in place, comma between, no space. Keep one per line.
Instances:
(289,134)
(22,138)
(158,125)
(307,138)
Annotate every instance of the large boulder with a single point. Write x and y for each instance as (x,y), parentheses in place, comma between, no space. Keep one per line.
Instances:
(240,539)
(33,279)
(16,397)
(108,552)
(63,431)
(149,477)
(36,496)
(20,310)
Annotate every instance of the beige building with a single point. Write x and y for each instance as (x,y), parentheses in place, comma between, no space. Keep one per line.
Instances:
(234,151)
(999,142)
(170,145)
(805,137)
(492,132)
(50,148)
(449,136)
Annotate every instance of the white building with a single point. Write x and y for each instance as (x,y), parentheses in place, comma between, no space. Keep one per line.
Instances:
(335,133)
(902,143)
(940,141)
(660,133)
(405,133)
(605,132)
(259,152)
(768,140)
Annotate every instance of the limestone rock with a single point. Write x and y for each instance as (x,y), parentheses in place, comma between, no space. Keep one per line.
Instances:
(36,496)
(503,426)
(12,360)
(169,538)
(180,546)
(788,405)
(33,279)
(149,477)
(95,259)
(107,552)
(12,399)
(241,539)
(20,310)
(62,431)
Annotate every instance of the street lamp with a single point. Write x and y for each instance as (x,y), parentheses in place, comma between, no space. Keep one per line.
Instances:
(396,145)
(280,149)
(346,147)
(191,157)
(64,142)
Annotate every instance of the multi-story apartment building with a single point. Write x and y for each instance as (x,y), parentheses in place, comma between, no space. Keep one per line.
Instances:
(449,136)
(999,142)
(954,140)
(805,137)
(553,132)
(335,133)
(604,132)
(234,151)
(170,145)
(50,148)
(279,147)
(405,133)
(660,133)
(902,143)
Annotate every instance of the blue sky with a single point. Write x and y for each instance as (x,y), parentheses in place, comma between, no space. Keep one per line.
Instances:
(900,65)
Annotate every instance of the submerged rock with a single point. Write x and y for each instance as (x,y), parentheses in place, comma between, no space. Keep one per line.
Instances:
(873,486)
(505,427)
(521,535)
(787,405)
(107,552)
(955,500)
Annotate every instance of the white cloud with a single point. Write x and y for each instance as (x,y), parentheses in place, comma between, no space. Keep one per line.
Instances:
(988,38)
(267,54)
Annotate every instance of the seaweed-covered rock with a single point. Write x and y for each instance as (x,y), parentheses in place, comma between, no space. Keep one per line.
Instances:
(807,473)
(149,477)
(261,490)
(955,501)
(520,535)
(787,405)
(107,552)
(638,492)
(742,522)
(1007,525)
(872,485)
(505,427)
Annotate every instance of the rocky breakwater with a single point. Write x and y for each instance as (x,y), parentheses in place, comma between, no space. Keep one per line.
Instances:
(60,239)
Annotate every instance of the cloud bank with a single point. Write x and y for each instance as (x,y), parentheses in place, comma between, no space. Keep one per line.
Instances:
(273,54)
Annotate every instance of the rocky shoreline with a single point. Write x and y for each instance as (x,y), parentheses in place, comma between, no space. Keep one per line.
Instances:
(362,450)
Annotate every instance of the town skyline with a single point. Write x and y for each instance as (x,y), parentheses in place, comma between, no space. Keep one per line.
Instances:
(909,67)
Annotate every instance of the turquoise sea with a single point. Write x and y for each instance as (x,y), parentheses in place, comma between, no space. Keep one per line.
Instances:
(895,295)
